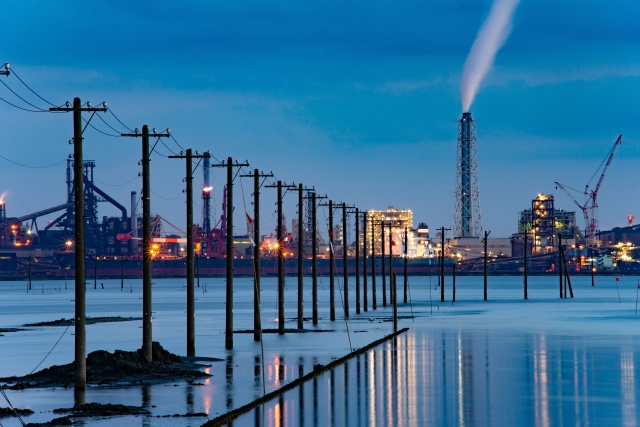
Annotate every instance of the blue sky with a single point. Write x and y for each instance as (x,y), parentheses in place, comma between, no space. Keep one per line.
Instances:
(359,99)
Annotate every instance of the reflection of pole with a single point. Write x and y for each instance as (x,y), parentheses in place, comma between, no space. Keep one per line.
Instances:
(95,271)
(121,272)
(332,306)
(314,257)
(29,272)
(357,261)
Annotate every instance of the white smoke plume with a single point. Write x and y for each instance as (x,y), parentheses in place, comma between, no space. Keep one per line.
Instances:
(491,37)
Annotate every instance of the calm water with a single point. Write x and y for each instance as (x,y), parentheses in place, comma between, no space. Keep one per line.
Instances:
(505,361)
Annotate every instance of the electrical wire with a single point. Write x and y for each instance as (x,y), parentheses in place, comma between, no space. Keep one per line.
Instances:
(177,143)
(116,185)
(111,127)
(32,167)
(96,129)
(25,109)
(23,100)
(4,394)
(13,71)
(119,121)
(170,150)
(164,198)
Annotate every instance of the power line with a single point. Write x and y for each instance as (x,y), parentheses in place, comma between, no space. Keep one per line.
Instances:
(23,100)
(13,71)
(96,129)
(31,167)
(111,127)
(164,198)
(24,109)
(119,120)
(116,185)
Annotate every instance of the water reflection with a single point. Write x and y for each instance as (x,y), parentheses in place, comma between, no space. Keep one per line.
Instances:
(428,378)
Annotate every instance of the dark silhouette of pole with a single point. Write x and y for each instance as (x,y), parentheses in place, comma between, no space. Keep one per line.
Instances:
(455,263)
(394,299)
(147,258)
(257,323)
(29,272)
(191,310)
(442,265)
(314,257)
(80,375)
(280,263)
(384,273)
(332,307)
(228,339)
(390,253)
(560,262)
(95,271)
(526,284)
(373,266)
(486,255)
(122,272)
(406,254)
(345,266)
(357,261)
(300,259)
(364,262)
(147,332)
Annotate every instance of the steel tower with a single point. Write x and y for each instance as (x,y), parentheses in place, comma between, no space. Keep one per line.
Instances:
(467,221)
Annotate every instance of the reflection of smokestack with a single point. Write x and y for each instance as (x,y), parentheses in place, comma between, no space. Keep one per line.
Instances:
(206,196)
(134,222)
(467,221)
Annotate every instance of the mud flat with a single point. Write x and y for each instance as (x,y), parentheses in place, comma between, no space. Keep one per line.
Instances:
(117,368)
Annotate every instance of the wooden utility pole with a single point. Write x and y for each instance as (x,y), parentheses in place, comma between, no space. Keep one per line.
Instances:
(364,260)
(229,165)
(406,255)
(80,375)
(257,323)
(357,261)
(442,230)
(191,307)
(373,265)
(486,255)
(147,256)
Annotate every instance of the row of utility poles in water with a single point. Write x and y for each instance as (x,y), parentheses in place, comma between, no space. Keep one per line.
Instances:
(259,179)
(368,249)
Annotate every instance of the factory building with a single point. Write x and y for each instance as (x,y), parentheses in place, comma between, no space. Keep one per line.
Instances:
(399,219)
(543,222)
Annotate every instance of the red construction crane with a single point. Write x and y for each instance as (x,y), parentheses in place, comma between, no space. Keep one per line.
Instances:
(590,207)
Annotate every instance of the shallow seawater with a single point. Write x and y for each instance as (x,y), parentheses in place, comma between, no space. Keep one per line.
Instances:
(541,362)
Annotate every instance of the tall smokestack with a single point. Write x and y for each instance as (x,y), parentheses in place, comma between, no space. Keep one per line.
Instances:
(134,222)
(467,221)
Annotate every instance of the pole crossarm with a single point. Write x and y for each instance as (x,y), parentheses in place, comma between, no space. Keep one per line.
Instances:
(259,175)
(153,134)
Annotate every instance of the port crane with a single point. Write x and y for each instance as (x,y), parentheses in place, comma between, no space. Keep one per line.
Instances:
(590,207)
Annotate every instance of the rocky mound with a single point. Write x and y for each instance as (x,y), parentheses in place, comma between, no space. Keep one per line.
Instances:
(122,367)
